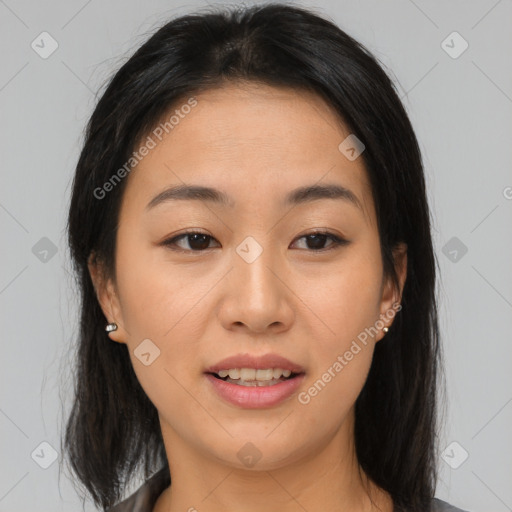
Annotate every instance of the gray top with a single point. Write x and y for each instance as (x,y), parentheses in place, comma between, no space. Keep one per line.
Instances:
(144,499)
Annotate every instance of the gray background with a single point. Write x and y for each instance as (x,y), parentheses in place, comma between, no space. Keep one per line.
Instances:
(461,109)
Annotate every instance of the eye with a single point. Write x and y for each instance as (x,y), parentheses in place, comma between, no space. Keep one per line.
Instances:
(318,238)
(199,242)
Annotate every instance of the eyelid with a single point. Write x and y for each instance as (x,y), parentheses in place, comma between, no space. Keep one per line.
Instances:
(171,242)
(337,241)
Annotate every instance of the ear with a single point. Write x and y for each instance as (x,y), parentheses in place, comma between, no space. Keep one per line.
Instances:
(391,295)
(107,298)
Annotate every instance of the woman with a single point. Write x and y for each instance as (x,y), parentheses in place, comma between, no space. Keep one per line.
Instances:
(251,236)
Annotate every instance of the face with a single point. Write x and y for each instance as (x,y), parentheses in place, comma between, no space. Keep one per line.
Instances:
(200,280)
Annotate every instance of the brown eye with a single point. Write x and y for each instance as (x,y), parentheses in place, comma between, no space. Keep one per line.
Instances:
(200,242)
(197,242)
(316,241)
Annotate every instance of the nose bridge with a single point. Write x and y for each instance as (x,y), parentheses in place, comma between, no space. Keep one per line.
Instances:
(256,296)
(254,261)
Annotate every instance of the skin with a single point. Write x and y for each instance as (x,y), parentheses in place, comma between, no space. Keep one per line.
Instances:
(256,143)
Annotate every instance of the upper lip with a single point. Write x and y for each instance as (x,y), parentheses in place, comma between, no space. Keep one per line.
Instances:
(258,362)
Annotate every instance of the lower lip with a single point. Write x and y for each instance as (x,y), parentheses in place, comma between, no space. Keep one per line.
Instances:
(255,397)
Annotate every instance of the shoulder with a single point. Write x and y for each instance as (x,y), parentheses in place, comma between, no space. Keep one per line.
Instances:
(137,502)
(145,497)
(442,506)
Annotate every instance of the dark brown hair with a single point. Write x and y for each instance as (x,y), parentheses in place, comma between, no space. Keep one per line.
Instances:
(113,427)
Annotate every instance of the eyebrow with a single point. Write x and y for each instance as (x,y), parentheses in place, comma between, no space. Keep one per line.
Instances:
(297,196)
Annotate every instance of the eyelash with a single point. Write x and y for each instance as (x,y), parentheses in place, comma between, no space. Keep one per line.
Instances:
(337,241)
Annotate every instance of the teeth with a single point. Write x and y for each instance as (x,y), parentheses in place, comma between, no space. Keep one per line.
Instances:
(263,375)
(246,374)
(251,374)
(234,373)
(254,383)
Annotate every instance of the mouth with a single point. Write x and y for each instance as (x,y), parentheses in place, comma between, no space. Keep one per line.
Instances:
(251,377)
(255,382)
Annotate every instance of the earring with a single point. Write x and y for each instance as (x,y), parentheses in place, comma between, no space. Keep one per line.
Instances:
(385,329)
(111,327)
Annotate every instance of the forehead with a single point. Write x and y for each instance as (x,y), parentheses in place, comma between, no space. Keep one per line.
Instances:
(251,141)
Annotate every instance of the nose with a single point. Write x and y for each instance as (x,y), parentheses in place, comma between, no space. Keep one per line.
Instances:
(257,297)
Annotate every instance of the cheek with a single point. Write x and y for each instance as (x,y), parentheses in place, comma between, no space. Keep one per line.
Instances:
(164,303)
(346,299)
(329,395)
(157,297)
(161,304)
(347,303)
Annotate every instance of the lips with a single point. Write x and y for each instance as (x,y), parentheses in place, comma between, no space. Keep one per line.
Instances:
(257,362)
(263,395)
